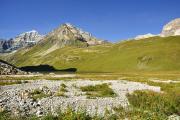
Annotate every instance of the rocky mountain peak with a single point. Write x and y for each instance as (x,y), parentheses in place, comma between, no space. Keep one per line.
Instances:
(25,39)
(172,28)
(68,31)
(32,35)
(68,25)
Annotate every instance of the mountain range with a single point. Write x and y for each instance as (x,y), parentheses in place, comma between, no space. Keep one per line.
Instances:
(26,39)
(64,35)
(70,47)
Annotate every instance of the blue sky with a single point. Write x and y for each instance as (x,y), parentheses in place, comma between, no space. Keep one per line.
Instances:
(112,20)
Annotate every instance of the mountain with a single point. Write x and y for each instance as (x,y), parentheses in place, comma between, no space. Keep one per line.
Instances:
(67,34)
(172,28)
(150,54)
(64,36)
(28,37)
(25,39)
(69,47)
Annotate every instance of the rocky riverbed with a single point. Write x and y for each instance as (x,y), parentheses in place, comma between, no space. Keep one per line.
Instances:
(18,99)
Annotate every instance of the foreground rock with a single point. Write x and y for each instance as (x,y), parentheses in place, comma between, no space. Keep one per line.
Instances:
(8,69)
(18,99)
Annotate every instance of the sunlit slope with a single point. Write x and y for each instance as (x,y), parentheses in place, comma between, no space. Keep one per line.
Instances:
(152,54)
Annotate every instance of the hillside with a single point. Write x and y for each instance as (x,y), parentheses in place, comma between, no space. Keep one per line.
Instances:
(151,54)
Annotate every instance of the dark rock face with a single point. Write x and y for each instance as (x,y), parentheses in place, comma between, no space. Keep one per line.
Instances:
(8,69)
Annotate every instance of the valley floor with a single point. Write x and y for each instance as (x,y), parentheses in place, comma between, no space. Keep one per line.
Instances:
(125,95)
(17,97)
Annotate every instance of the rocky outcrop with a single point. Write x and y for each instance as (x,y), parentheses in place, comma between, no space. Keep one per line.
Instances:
(23,40)
(8,69)
(172,28)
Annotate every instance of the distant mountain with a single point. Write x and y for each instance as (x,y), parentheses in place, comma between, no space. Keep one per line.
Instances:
(28,37)
(172,28)
(67,34)
(144,36)
(64,36)
(25,39)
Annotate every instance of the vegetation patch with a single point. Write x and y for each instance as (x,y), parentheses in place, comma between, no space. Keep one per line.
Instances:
(62,90)
(2,83)
(164,104)
(132,113)
(38,94)
(69,114)
(101,90)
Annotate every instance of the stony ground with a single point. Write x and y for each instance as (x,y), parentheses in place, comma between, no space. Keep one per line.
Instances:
(18,100)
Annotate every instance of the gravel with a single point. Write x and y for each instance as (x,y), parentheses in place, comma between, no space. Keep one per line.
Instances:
(17,98)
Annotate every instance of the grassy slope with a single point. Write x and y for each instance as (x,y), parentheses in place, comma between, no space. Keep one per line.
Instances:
(152,54)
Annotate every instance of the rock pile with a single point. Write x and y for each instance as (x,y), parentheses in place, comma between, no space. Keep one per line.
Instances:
(8,69)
